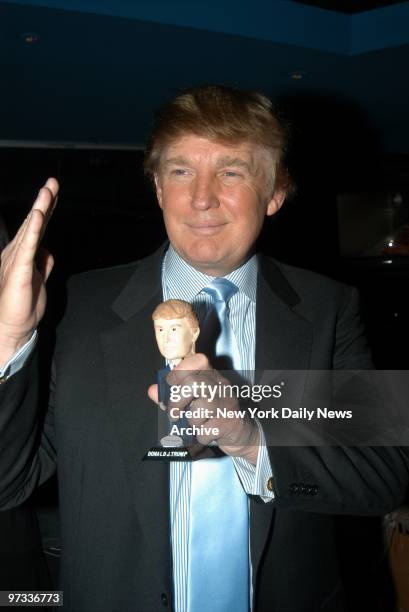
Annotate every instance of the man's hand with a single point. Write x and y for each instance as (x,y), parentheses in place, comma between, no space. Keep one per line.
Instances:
(237,436)
(23,273)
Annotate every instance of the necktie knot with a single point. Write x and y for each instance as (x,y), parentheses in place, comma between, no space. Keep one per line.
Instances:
(221,290)
(217,339)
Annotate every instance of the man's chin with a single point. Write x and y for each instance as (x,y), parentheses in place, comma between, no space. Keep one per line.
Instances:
(205,256)
(214,267)
(209,267)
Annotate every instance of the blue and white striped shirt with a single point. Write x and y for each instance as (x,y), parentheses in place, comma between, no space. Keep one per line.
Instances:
(182,281)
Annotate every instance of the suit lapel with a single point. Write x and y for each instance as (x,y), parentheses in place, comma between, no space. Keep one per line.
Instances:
(283,336)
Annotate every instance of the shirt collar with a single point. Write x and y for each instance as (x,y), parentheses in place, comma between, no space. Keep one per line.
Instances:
(175,269)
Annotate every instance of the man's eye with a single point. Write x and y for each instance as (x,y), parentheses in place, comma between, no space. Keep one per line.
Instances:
(179,171)
(231,173)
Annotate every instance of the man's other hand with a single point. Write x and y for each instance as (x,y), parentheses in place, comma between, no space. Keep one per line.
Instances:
(238,435)
(23,273)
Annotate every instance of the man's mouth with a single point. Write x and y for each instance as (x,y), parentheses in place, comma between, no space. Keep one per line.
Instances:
(206,229)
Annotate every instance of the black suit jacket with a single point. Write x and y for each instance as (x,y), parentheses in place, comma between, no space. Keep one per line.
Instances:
(100,423)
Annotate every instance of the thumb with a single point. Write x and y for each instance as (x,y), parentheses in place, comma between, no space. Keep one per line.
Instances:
(153,393)
(154,396)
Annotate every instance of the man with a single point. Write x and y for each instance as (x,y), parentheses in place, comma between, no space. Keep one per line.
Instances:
(216,159)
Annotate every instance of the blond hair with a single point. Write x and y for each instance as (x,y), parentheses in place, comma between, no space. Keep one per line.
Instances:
(176,309)
(225,115)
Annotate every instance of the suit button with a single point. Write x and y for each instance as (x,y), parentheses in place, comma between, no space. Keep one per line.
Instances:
(270,484)
(164,599)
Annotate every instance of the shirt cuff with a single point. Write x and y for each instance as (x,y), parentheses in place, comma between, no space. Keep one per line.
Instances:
(19,359)
(257,479)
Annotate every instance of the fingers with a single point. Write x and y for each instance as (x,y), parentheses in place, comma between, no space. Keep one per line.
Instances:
(46,201)
(45,263)
(153,393)
(23,272)
(52,185)
(209,403)
(32,230)
(28,240)
(49,264)
(196,362)
(191,370)
(48,197)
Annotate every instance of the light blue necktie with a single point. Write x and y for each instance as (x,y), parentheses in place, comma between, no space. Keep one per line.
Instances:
(218,564)
(221,350)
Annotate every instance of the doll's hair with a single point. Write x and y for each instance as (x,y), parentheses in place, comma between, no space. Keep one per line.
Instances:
(176,309)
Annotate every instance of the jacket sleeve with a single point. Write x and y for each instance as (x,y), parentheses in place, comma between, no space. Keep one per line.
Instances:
(342,479)
(27,452)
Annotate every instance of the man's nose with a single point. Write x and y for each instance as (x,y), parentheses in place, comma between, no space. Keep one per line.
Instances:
(204,193)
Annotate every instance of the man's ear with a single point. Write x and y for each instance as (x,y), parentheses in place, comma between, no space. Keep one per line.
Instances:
(276,202)
(196,334)
(158,189)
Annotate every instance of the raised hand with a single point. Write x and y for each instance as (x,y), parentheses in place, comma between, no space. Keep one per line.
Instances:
(23,274)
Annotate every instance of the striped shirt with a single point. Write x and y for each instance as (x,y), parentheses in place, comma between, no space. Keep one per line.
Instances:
(182,281)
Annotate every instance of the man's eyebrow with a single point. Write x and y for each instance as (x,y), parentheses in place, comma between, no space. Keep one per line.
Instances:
(179,160)
(227,160)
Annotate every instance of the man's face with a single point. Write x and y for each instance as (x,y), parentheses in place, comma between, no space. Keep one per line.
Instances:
(175,337)
(214,199)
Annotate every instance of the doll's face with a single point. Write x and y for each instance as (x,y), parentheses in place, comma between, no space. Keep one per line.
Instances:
(175,338)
